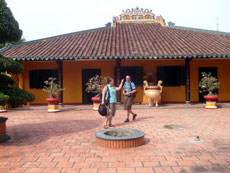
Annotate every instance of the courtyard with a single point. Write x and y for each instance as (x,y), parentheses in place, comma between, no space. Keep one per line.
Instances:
(65,142)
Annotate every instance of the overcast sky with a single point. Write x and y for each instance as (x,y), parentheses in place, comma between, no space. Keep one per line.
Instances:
(44,18)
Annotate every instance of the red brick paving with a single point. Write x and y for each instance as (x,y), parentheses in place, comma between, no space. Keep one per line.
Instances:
(65,142)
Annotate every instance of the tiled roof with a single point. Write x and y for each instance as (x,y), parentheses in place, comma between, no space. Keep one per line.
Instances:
(127,41)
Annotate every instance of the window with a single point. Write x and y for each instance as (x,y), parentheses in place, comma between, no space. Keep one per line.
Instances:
(38,77)
(171,75)
(136,74)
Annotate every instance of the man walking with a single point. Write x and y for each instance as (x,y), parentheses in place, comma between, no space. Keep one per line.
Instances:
(129,93)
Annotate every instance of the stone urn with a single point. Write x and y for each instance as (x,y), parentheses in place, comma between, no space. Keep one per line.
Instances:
(153,93)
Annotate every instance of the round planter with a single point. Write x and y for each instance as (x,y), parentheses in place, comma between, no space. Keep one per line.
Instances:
(211,101)
(96,102)
(53,104)
(3,136)
(2,108)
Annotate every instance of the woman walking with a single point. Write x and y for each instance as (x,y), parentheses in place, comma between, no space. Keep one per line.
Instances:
(110,91)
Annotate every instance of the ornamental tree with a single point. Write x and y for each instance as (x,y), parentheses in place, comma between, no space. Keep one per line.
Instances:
(9,28)
(208,84)
(94,85)
(16,96)
(52,88)
(10,32)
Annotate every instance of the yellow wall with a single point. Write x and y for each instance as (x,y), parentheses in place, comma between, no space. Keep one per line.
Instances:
(72,77)
(33,65)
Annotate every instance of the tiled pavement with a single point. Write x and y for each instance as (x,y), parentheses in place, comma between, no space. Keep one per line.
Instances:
(65,142)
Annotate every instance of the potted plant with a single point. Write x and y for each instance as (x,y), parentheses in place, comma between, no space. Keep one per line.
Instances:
(53,89)
(94,85)
(209,84)
(3,101)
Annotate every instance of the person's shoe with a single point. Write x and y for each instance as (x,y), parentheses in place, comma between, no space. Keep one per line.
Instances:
(134,116)
(111,125)
(106,126)
(127,120)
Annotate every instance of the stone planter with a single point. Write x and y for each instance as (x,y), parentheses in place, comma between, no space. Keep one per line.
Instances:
(96,102)
(2,108)
(3,136)
(53,104)
(211,101)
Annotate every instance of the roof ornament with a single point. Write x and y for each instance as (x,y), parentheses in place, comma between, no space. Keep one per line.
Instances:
(138,15)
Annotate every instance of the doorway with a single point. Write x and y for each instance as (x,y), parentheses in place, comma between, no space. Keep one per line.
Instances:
(86,74)
(212,70)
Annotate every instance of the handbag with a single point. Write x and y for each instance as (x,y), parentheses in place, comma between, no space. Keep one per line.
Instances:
(102,110)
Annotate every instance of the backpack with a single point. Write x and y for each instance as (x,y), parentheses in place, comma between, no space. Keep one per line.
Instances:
(134,94)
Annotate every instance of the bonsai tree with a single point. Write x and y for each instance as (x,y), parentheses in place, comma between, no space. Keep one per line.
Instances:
(208,84)
(52,88)
(10,32)
(17,96)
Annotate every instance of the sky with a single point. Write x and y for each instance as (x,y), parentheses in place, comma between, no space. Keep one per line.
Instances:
(45,18)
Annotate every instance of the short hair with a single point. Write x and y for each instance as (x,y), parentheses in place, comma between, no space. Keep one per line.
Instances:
(128,76)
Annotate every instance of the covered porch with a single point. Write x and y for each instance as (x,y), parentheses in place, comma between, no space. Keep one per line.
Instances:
(73,74)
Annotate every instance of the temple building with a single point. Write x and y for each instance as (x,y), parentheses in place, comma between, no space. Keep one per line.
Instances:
(138,44)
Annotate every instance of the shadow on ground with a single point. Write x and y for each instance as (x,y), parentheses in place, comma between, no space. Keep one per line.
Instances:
(138,119)
(34,133)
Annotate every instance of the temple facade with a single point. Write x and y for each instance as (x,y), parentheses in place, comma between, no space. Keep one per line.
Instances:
(138,44)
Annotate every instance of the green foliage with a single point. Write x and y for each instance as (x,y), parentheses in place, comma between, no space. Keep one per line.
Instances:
(6,80)
(10,33)
(8,43)
(52,87)
(3,99)
(9,28)
(17,96)
(209,84)
(10,66)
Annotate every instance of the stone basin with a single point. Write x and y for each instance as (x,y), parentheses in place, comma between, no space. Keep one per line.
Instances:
(119,138)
